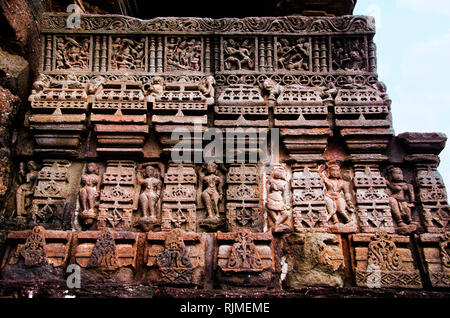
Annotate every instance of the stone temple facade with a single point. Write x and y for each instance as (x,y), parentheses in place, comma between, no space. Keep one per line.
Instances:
(333,199)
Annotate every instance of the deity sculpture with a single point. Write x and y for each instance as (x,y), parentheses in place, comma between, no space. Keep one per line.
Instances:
(338,197)
(149,198)
(206,87)
(278,200)
(25,191)
(209,175)
(89,193)
(401,198)
(272,88)
(155,89)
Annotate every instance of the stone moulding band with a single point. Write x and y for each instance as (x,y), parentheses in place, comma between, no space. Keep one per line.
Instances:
(292,25)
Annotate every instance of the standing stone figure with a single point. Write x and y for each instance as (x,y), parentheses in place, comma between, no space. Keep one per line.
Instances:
(278,200)
(401,198)
(26,189)
(89,193)
(213,192)
(338,197)
(149,198)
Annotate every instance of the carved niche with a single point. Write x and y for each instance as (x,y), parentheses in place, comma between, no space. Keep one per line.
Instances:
(210,195)
(175,258)
(241,105)
(338,197)
(245,258)
(178,106)
(401,201)
(278,201)
(58,118)
(243,199)
(435,253)
(179,198)
(302,116)
(119,115)
(384,260)
(149,180)
(105,250)
(89,195)
(28,179)
(38,247)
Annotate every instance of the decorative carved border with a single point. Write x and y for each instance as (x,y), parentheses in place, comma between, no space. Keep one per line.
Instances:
(294,25)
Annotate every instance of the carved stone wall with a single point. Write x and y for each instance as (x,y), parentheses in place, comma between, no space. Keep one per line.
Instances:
(335,199)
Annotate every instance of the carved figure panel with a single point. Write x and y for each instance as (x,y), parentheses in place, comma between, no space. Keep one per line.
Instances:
(150,182)
(338,198)
(349,54)
(238,54)
(184,53)
(294,54)
(89,194)
(175,257)
(401,200)
(38,247)
(106,250)
(245,258)
(383,260)
(128,53)
(72,53)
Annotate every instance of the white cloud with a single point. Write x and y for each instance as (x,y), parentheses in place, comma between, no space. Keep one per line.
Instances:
(435,6)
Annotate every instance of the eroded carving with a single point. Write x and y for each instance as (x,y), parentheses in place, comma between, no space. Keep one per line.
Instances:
(401,200)
(239,54)
(278,200)
(338,196)
(104,254)
(89,193)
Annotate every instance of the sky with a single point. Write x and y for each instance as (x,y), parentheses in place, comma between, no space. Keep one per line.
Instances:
(413,53)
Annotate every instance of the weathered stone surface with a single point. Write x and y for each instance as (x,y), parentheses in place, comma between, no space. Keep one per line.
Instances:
(313,260)
(92,175)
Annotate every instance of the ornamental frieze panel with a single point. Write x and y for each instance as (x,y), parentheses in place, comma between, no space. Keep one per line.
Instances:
(383,260)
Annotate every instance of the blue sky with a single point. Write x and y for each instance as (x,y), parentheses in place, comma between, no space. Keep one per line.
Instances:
(413,50)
